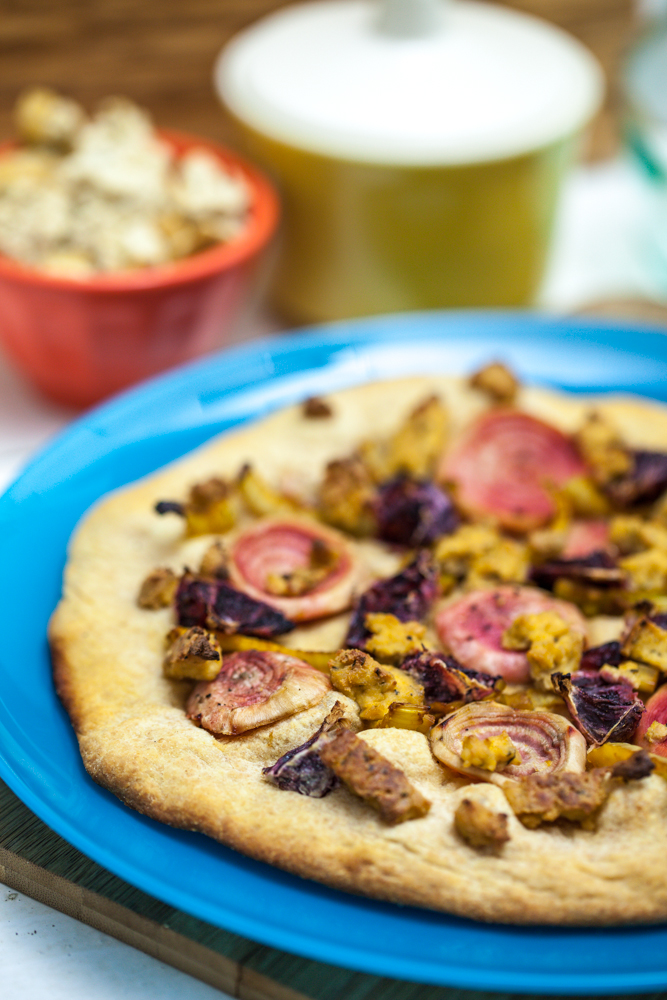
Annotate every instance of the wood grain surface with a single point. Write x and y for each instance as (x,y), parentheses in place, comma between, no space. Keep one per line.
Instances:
(161,52)
(36,861)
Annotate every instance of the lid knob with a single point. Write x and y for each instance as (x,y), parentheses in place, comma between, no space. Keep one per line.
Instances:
(410,18)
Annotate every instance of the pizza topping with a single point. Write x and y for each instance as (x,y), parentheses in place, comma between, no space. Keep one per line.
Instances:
(236,643)
(316,408)
(643,482)
(506,465)
(347,495)
(646,571)
(373,778)
(496,381)
(600,711)
(214,562)
(639,765)
(655,716)
(542,798)
(413,512)
(597,656)
(540,741)
(413,717)
(259,497)
(637,675)
(407,596)
(391,640)
(550,644)
(254,688)
(210,508)
(158,589)
(193,655)
(301,568)
(479,825)
(216,604)
(414,449)
(631,534)
(445,681)
(602,449)
(479,555)
(610,753)
(597,569)
(472,628)
(302,769)
(647,642)
(494,753)
(373,686)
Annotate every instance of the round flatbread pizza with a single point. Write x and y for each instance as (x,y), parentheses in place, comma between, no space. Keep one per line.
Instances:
(409,640)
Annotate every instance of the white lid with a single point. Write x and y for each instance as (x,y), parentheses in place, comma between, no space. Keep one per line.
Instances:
(476,82)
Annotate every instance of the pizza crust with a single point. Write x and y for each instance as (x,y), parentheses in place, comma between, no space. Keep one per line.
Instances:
(136,741)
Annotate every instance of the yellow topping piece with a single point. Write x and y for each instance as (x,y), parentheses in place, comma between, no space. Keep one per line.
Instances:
(413,717)
(479,825)
(550,645)
(641,677)
(646,570)
(496,381)
(632,534)
(260,498)
(648,643)
(656,732)
(483,556)
(346,495)
(392,640)
(373,686)
(583,497)
(211,509)
(602,449)
(491,754)
(609,754)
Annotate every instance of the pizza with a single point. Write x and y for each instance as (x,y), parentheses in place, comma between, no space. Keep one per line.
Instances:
(409,640)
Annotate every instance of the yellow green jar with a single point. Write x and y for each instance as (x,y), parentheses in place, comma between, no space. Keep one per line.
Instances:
(419,148)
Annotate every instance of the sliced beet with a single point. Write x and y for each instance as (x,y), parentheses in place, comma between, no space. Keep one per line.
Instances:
(599,569)
(601,711)
(644,483)
(445,680)
(217,605)
(408,596)
(414,512)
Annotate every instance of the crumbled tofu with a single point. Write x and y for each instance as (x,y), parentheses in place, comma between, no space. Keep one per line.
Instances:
(414,448)
(346,496)
(646,571)
(392,640)
(494,753)
(373,686)
(322,562)
(656,733)
(479,554)
(647,642)
(214,561)
(193,655)
(496,381)
(551,645)
(631,534)
(583,497)
(602,449)
(479,825)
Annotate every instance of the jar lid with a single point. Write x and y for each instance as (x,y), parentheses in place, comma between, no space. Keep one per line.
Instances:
(468,82)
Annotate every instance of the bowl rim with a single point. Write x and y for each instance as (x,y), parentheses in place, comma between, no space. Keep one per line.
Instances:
(261,225)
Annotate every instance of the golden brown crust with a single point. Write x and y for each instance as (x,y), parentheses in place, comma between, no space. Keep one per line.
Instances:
(136,740)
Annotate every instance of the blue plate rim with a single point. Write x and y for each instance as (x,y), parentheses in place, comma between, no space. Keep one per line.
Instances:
(357,333)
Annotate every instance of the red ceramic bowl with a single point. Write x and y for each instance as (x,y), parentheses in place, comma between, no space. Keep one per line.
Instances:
(79,340)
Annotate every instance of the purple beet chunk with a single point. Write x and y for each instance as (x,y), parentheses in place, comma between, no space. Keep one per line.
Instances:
(597,656)
(599,569)
(414,512)
(408,596)
(600,711)
(216,604)
(302,770)
(170,507)
(645,482)
(444,679)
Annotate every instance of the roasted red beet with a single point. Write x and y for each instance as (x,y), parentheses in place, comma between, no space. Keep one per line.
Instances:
(301,769)
(656,711)
(600,711)
(598,569)
(445,680)
(645,482)
(408,595)
(215,604)
(414,512)
(597,656)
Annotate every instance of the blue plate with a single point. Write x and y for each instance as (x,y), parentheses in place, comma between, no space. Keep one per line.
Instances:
(161,420)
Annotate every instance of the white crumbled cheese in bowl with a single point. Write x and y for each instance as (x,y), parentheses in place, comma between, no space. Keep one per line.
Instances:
(83,195)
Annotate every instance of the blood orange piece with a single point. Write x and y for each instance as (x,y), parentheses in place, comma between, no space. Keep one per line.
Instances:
(505,465)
